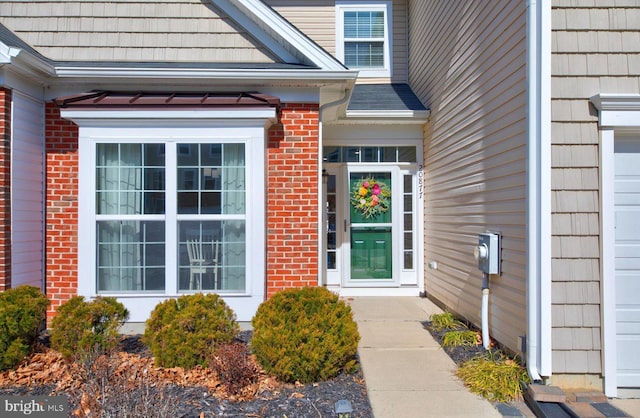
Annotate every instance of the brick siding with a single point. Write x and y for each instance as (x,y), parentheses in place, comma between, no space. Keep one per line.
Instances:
(292,196)
(5,189)
(62,208)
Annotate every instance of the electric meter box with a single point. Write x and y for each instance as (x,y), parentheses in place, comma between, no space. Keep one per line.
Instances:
(488,253)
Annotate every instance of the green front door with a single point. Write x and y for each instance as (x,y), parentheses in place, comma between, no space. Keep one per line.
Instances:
(370,213)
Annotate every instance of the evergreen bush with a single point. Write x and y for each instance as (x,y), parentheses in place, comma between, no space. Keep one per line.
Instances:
(305,335)
(186,331)
(82,328)
(23,310)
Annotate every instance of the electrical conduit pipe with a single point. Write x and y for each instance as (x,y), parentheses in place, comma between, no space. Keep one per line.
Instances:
(485,311)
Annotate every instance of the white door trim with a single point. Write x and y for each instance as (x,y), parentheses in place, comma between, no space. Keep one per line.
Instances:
(617,113)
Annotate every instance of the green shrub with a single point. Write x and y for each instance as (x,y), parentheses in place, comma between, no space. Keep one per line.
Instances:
(461,338)
(446,320)
(186,331)
(494,376)
(305,335)
(81,328)
(23,310)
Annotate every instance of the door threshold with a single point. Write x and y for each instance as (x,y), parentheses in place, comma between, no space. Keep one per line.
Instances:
(377,291)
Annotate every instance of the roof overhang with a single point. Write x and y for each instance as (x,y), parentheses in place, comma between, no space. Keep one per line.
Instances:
(24,63)
(70,73)
(303,63)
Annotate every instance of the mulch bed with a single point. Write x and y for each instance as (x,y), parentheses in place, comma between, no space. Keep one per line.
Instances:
(136,387)
(459,354)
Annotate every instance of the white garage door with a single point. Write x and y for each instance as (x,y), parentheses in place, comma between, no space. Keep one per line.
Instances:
(627,263)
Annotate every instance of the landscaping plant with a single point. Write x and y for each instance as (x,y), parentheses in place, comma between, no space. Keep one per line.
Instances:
(461,338)
(446,320)
(305,335)
(111,389)
(234,367)
(23,311)
(82,328)
(494,376)
(186,331)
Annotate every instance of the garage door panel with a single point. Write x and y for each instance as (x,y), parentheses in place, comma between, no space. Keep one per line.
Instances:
(628,225)
(629,289)
(628,374)
(625,259)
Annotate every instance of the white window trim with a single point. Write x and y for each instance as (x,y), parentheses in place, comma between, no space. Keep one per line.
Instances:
(167,127)
(621,113)
(351,5)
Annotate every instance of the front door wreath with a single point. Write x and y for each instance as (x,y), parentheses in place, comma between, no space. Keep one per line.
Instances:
(370,197)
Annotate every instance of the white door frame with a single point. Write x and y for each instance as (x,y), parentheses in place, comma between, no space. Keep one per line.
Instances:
(618,113)
(404,282)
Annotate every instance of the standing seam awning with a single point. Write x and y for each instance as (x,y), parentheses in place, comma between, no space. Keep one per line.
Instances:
(166,100)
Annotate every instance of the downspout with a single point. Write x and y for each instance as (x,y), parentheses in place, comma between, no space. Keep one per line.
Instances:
(538,341)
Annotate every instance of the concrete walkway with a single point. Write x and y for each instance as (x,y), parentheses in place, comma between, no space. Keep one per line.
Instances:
(406,371)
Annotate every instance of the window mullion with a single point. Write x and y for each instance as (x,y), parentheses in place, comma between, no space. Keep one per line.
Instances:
(171,224)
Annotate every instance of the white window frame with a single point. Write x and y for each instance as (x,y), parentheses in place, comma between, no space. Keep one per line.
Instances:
(359,6)
(174,127)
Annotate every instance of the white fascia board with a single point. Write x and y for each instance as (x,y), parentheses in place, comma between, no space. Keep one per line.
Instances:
(170,117)
(420,115)
(284,29)
(204,73)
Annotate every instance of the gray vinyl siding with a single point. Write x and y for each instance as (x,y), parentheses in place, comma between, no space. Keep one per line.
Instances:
(130,30)
(317,20)
(468,65)
(27,191)
(595,50)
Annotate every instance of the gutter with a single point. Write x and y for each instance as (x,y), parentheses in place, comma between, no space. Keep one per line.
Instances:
(63,72)
(538,341)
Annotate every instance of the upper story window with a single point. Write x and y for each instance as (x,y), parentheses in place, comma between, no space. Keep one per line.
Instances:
(364,36)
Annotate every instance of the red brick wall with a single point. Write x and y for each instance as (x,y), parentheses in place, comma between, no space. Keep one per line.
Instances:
(5,188)
(62,208)
(292,199)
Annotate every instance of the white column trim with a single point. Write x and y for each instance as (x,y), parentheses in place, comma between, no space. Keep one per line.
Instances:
(607,249)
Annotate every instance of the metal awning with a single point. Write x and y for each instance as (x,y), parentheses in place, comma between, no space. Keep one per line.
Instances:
(166,100)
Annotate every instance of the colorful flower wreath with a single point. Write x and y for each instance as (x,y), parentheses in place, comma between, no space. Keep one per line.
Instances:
(370,197)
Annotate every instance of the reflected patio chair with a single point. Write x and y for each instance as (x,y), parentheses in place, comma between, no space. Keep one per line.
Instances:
(202,256)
